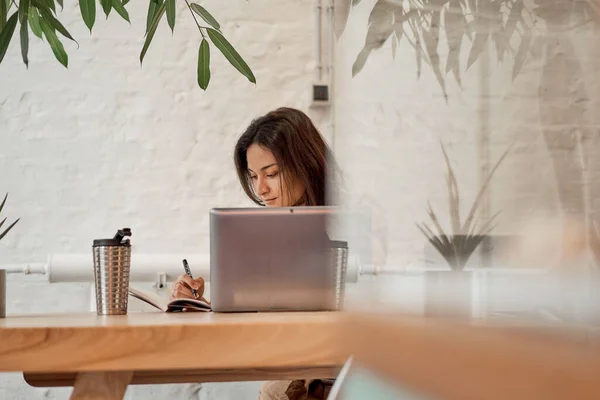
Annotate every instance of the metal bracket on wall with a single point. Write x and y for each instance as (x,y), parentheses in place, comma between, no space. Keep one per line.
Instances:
(161,280)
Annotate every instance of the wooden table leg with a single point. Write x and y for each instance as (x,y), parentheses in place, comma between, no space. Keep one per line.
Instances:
(101,385)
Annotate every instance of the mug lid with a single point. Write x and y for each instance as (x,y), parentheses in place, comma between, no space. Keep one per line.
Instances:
(117,240)
(338,244)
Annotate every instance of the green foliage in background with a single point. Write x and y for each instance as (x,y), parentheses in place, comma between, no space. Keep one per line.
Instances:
(41,17)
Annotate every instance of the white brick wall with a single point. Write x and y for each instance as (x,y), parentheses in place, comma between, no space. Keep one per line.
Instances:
(107,143)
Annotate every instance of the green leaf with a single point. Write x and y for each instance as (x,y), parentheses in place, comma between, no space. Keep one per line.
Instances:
(152,30)
(23,10)
(88,12)
(106,6)
(55,43)
(34,22)
(125,2)
(24,31)
(171,14)
(25,42)
(9,228)
(153,6)
(209,19)
(3,13)
(204,64)
(230,54)
(2,206)
(49,4)
(118,6)
(55,24)
(6,35)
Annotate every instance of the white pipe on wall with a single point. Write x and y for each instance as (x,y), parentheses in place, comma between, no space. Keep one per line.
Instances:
(144,267)
(318,63)
(25,268)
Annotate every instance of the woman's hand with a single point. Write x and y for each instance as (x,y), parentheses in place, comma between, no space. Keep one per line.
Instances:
(182,288)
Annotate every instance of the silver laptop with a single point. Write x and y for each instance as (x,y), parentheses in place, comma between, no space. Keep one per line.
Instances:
(271,259)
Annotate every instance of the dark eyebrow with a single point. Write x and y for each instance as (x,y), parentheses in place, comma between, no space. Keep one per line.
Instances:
(263,168)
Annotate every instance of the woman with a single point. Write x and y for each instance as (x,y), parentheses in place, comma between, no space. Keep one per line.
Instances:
(281,161)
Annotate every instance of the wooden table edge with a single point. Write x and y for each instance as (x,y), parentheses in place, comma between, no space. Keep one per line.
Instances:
(66,379)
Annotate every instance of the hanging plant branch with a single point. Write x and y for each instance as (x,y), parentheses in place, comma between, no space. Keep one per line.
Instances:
(41,18)
(471,25)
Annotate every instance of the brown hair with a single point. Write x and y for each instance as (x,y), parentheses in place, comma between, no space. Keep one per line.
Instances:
(298,147)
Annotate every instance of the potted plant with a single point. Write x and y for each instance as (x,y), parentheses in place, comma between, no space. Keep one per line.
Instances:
(449,292)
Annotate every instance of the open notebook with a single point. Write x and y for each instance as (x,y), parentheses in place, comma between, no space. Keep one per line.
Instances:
(169,306)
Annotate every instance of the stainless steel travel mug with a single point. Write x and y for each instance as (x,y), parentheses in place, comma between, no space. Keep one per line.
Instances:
(112,259)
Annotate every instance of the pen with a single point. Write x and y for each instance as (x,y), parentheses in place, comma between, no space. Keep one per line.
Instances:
(189,273)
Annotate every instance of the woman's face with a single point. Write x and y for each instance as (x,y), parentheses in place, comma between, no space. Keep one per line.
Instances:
(267,180)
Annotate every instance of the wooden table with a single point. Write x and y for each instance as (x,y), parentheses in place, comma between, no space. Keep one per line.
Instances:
(100,356)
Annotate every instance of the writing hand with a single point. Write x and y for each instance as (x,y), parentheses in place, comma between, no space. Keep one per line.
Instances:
(182,288)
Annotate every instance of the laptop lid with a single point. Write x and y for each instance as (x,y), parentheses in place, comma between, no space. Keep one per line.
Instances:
(271,259)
